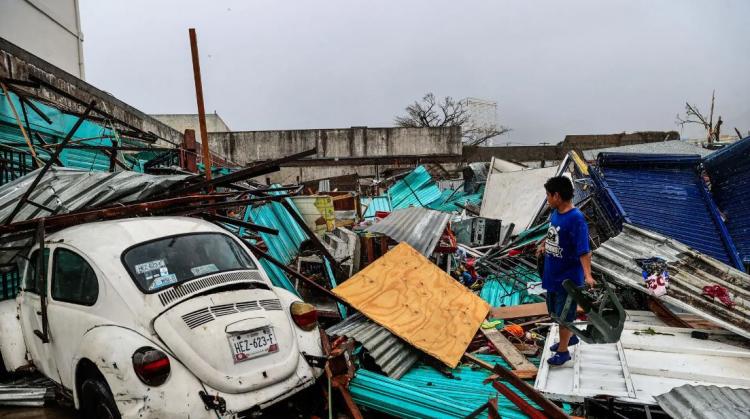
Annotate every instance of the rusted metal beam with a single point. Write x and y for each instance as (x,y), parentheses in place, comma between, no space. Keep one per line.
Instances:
(247,173)
(20,124)
(147,136)
(294,273)
(172,205)
(550,409)
(517,400)
(199,99)
(47,165)
(240,223)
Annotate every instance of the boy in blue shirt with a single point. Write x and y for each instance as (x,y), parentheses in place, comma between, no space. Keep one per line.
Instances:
(567,255)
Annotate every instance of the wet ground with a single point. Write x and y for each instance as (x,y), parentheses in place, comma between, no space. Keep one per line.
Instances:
(52,412)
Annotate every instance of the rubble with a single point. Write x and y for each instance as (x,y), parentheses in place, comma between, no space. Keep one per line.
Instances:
(423,276)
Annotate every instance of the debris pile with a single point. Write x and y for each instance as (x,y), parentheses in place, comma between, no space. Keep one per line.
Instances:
(427,282)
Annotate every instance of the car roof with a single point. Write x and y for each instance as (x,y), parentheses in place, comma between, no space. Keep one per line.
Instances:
(111,238)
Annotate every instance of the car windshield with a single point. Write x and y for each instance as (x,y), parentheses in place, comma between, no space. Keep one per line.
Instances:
(165,262)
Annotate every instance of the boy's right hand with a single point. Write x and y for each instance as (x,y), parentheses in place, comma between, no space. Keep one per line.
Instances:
(540,249)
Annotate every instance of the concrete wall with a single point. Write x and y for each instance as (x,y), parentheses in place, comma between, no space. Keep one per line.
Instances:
(245,147)
(584,142)
(50,29)
(17,63)
(181,122)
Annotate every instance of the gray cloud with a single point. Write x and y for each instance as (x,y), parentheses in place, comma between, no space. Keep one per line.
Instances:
(554,67)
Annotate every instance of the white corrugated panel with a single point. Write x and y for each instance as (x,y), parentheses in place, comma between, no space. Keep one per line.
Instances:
(515,197)
(642,365)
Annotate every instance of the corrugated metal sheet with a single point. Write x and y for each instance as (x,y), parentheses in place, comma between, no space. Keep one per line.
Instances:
(689,272)
(64,190)
(665,147)
(664,193)
(421,228)
(501,293)
(729,169)
(392,354)
(449,198)
(373,204)
(649,360)
(515,197)
(89,133)
(706,402)
(284,246)
(425,392)
(415,189)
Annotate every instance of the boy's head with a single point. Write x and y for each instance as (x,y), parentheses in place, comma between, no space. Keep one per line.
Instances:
(559,191)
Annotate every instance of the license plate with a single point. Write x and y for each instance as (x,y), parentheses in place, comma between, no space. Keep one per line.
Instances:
(252,344)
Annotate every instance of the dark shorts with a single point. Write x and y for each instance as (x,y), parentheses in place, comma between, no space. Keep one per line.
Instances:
(556,303)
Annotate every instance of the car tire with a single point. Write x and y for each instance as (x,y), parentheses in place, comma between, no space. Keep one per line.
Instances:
(97,401)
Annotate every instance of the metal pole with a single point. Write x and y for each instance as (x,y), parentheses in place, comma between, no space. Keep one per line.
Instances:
(199,97)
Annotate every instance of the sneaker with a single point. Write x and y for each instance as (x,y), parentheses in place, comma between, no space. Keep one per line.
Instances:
(559,358)
(573,341)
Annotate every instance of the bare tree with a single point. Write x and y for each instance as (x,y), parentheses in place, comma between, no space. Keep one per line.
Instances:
(430,112)
(693,115)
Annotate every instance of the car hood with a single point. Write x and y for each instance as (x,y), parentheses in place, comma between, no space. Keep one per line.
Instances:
(198,332)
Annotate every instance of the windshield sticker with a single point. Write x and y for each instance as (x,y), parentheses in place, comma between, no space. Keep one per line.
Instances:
(150,266)
(163,281)
(204,269)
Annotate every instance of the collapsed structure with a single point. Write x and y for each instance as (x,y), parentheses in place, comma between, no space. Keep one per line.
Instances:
(422,274)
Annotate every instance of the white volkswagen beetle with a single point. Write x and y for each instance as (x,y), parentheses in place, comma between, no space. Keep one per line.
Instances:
(159,317)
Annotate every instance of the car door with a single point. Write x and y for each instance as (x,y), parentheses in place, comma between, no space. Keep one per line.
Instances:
(72,308)
(30,302)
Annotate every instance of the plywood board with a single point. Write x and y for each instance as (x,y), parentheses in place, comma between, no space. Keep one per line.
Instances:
(410,296)
(521,366)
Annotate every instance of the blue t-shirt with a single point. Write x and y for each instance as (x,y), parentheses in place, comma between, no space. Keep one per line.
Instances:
(567,240)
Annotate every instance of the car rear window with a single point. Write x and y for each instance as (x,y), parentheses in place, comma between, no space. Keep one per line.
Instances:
(169,261)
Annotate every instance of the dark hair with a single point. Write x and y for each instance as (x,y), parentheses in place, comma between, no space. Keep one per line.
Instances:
(561,185)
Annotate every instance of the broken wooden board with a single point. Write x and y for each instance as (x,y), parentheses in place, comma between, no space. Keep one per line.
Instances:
(522,310)
(517,361)
(414,299)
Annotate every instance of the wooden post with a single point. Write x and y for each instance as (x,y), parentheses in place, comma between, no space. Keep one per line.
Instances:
(199,98)
(188,144)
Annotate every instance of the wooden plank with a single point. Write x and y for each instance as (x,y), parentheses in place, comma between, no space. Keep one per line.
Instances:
(522,310)
(515,312)
(521,366)
(410,296)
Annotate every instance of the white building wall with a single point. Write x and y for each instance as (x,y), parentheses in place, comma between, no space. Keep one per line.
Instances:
(49,29)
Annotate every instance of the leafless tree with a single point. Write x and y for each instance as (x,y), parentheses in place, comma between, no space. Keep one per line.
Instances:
(693,115)
(430,112)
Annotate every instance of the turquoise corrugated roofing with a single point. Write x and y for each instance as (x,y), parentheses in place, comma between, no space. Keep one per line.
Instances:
(284,246)
(501,292)
(449,198)
(425,392)
(10,135)
(375,203)
(417,189)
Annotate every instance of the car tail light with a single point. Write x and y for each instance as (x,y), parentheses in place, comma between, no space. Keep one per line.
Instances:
(151,366)
(304,315)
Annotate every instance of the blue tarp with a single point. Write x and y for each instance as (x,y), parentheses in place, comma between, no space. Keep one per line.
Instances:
(729,170)
(664,193)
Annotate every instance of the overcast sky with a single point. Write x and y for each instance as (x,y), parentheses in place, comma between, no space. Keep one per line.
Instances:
(553,67)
